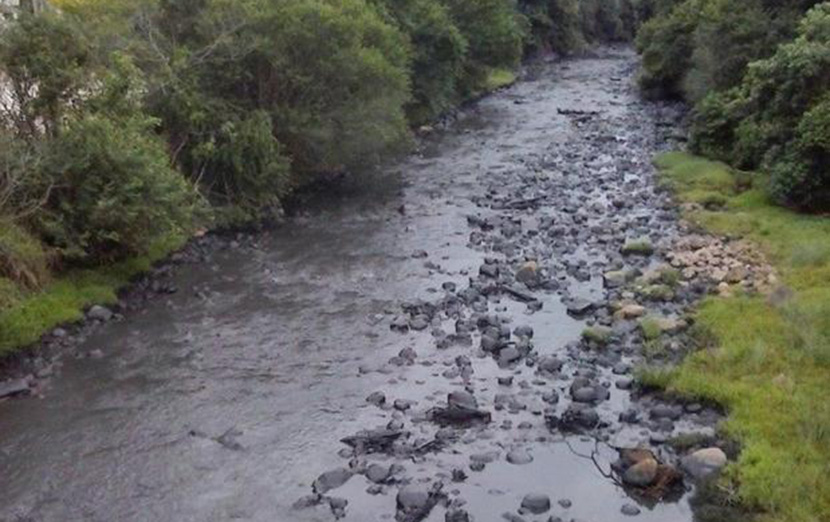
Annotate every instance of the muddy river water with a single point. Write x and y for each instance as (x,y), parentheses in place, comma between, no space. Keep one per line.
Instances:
(227,400)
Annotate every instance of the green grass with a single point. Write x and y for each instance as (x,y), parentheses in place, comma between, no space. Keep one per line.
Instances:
(498,78)
(651,328)
(26,316)
(771,363)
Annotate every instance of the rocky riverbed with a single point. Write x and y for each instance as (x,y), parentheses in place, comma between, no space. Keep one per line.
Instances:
(455,339)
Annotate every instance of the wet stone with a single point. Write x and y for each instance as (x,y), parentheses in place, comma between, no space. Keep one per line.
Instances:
(377,398)
(331,480)
(457,515)
(536,503)
(523,331)
(505,381)
(419,322)
(519,457)
(550,364)
(509,355)
(412,497)
(665,411)
(642,473)
(630,510)
(378,473)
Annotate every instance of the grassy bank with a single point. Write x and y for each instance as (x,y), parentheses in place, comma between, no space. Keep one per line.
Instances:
(26,315)
(769,364)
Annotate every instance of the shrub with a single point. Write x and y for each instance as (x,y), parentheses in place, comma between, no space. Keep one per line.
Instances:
(729,35)
(494,36)
(331,74)
(778,118)
(113,190)
(566,35)
(45,60)
(666,43)
(438,54)
(537,25)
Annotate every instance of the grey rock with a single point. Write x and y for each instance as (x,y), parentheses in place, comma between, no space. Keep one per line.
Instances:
(630,510)
(412,498)
(704,462)
(331,480)
(99,313)
(13,387)
(519,457)
(378,473)
(665,411)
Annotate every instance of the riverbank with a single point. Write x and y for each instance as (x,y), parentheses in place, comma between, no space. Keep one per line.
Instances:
(35,323)
(765,355)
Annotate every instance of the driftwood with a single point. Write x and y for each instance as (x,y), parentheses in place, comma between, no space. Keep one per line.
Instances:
(576,112)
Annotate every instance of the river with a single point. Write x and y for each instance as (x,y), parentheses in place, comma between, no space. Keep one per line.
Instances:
(226,400)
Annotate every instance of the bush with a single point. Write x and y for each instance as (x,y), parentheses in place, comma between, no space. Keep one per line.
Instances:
(667,43)
(778,118)
(45,60)
(332,76)
(113,190)
(439,51)
(494,37)
(729,35)
(566,34)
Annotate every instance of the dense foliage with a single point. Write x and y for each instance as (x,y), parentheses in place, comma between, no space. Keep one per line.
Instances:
(758,74)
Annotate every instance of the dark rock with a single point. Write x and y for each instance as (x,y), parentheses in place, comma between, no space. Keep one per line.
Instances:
(665,411)
(536,503)
(630,416)
(577,417)
(377,398)
(462,407)
(372,440)
(457,515)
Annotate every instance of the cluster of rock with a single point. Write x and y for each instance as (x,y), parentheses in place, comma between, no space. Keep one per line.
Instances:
(547,234)
(729,264)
